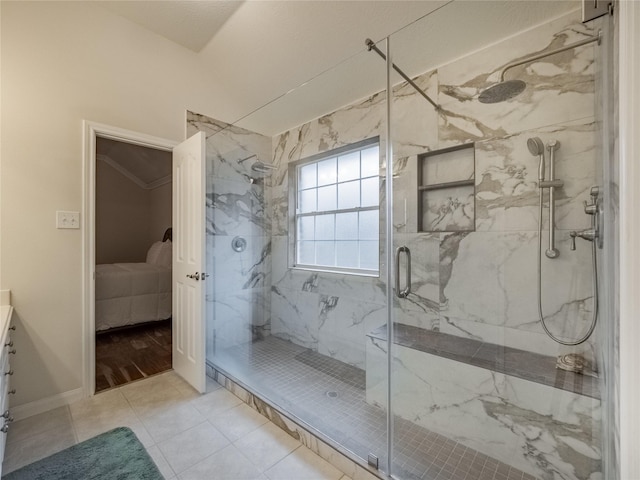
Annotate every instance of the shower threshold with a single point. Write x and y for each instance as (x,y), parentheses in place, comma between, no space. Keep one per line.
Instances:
(327,398)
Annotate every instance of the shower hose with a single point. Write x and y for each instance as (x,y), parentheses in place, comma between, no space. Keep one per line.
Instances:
(595,288)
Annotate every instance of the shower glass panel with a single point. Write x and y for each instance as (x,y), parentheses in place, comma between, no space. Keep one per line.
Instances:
(475,388)
(296,336)
(415,341)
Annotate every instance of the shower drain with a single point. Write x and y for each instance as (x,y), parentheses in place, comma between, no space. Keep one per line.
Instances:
(332,394)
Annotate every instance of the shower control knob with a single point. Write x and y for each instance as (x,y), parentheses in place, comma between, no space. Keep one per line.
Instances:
(589,208)
(589,234)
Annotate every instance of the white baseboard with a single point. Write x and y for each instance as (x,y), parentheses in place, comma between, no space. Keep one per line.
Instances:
(26,410)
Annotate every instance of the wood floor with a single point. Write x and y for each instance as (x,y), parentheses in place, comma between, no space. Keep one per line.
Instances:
(132,353)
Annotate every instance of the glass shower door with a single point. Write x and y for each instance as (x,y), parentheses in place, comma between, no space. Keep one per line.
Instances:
(475,391)
(297,289)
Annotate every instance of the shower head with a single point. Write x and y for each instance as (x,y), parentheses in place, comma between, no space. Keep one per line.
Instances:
(505,90)
(536,147)
(502,91)
(261,167)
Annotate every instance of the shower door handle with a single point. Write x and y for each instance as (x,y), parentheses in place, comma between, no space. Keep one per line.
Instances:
(404,293)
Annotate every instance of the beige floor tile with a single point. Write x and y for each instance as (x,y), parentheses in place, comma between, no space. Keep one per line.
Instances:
(186,390)
(156,401)
(35,447)
(238,421)
(216,402)
(170,420)
(303,464)
(192,446)
(267,445)
(56,419)
(161,462)
(227,464)
(101,413)
(87,428)
(173,421)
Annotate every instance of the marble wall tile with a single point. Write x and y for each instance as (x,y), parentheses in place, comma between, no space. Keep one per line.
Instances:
(414,120)
(501,271)
(294,316)
(231,150)
(422,307)
(448,210)
(507,193)
(546,432)
(236,271)
(506,197)
(343,326)
(237,208)
(560,88)
(405,197)
(239,318)
(238,296)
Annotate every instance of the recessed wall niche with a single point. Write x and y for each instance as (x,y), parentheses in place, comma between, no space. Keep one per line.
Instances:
(446,190)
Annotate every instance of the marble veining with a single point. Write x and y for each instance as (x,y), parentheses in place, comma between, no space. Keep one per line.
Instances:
(477,282)
(544,431)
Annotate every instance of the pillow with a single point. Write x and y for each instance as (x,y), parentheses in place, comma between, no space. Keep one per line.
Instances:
(154,253)
(164,257)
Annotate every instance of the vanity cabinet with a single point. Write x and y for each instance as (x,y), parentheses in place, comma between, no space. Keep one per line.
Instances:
(8,351)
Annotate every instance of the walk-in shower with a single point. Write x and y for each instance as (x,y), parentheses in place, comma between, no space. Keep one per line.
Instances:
(309,198)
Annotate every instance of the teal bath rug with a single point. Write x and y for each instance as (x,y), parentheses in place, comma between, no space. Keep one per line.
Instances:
(114,455)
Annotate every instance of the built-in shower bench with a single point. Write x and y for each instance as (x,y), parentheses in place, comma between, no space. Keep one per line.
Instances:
(510,361)
(510,404)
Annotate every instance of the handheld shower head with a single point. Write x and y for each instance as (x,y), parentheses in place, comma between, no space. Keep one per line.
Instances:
(536,147)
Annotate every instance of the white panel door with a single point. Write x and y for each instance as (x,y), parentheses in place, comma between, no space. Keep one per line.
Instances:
(188,260)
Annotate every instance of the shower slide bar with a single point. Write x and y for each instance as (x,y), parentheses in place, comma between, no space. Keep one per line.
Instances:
(372,46)
(537,148)
(552,184)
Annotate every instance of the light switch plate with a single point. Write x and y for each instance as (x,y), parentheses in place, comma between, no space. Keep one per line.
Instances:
(67,219)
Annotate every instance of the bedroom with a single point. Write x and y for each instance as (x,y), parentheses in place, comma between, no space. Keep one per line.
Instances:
(133,262)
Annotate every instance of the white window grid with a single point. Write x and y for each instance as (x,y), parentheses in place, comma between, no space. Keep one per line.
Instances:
(366,240)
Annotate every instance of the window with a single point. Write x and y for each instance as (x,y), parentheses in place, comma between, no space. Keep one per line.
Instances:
(337,210)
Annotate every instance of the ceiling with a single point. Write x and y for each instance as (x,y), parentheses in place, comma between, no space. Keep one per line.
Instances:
(257,50)
(147,167)
(189,23)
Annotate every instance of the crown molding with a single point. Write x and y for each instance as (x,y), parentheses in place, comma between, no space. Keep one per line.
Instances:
(134,178)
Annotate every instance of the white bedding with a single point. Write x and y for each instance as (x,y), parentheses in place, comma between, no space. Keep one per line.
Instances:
(130,293)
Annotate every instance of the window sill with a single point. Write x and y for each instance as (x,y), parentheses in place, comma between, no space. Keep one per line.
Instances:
(336,272)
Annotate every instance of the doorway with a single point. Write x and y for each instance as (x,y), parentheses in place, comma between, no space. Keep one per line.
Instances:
(128,219)
(133,262)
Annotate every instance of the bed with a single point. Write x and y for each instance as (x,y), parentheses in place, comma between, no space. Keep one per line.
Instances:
(132,293)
